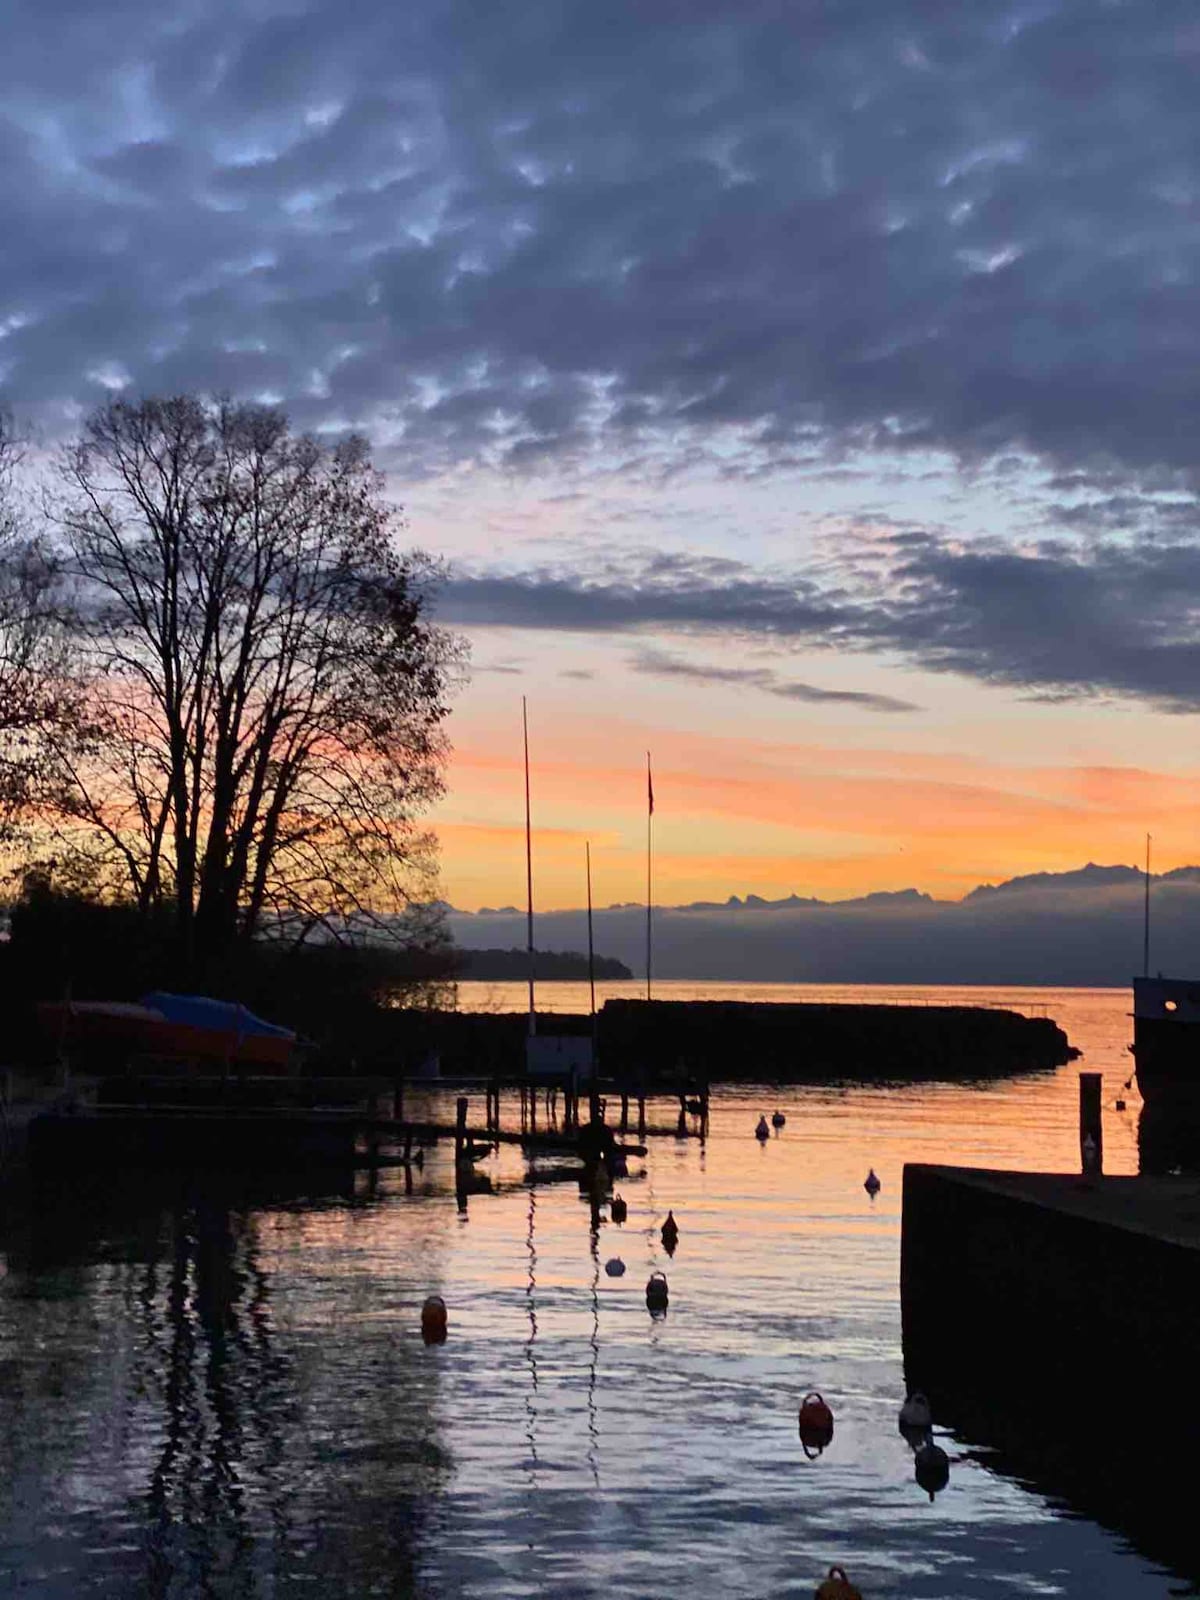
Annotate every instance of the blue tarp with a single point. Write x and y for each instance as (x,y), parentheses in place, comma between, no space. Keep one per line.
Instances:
(223,1016)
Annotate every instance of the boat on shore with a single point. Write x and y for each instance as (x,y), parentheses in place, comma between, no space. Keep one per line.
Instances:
(180,1027)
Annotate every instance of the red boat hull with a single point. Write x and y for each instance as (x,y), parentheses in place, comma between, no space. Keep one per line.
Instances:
(109,1030)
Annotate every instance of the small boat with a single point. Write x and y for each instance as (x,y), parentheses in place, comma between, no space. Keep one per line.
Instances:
(1166,1037)
(183,1026)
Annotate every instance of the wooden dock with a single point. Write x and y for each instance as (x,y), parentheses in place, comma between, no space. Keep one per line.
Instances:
(242,1121)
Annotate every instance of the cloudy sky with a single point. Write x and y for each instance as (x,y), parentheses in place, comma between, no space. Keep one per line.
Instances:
(805,391)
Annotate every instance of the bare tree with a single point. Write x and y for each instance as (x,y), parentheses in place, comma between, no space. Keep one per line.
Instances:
(266,691)
(34,684)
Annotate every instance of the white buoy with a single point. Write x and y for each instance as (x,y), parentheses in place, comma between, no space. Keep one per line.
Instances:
(915,1414)
(871,1183)
(615,1267)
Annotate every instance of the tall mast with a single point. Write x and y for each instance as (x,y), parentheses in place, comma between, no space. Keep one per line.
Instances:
(528,869)
(591,947)
(1146,920)
(649,817)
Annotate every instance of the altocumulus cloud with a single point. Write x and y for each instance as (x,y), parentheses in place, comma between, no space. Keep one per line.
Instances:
(563,232)
(512,232)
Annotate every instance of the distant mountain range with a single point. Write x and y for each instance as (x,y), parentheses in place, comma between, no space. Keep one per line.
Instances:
(1079,927)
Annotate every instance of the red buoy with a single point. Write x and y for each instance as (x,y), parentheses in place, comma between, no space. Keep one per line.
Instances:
(433,1320)
(816,1424)
(837,1586)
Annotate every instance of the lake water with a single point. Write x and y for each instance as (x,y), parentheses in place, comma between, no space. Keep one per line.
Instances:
(220,1393)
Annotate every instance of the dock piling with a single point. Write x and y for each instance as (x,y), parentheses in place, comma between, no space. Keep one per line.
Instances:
(460,1130)
(1091,1132)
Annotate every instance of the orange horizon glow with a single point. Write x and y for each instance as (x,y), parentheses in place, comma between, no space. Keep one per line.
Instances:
(941,824)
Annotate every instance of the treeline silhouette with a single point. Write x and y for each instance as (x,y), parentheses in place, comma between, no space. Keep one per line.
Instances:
(357,1005)
(504,965)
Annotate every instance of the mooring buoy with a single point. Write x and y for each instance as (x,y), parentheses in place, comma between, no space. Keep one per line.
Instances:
(656,1293)
(816,1424)
(916,1418)
(837,1586)
(931,1468)
(434,1320)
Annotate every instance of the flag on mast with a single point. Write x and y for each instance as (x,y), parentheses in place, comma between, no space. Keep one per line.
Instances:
(649,785)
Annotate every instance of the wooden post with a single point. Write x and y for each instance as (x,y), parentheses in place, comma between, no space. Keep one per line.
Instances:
(641,1116)
(460,1130)
(624,1111)
(1091,1133)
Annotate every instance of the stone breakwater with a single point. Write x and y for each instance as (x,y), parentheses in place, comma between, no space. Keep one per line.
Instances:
(747,1041)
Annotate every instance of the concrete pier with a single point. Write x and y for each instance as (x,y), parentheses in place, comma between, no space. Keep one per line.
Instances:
(1053,1318)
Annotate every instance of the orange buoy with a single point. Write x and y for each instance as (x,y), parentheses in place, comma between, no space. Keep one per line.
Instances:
(433,1320)
(816,1424)
(656,1293)
(837,1586)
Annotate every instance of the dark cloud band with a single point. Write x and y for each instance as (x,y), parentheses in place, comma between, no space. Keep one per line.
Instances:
(1058,619)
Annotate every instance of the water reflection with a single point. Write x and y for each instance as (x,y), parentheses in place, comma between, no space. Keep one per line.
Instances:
(531,1341)
(594,1361)
(194,1440)
(253,1363)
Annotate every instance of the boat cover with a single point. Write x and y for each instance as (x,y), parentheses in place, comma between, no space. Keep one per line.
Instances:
(223,1016)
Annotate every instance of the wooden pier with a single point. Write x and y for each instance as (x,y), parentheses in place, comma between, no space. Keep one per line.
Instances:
(243,1121)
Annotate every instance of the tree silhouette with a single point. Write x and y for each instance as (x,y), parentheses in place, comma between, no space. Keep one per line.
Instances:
(265,691)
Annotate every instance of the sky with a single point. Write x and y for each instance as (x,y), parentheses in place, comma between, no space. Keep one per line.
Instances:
(805,393)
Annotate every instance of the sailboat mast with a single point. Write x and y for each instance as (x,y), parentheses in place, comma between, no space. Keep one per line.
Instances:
(649,824)
(528,869)
(591,947)
(1146,920)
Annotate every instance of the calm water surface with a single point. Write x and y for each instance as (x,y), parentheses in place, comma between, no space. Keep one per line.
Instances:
(207,1393)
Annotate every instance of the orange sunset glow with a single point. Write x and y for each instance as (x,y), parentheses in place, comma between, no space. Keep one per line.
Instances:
(740,813)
